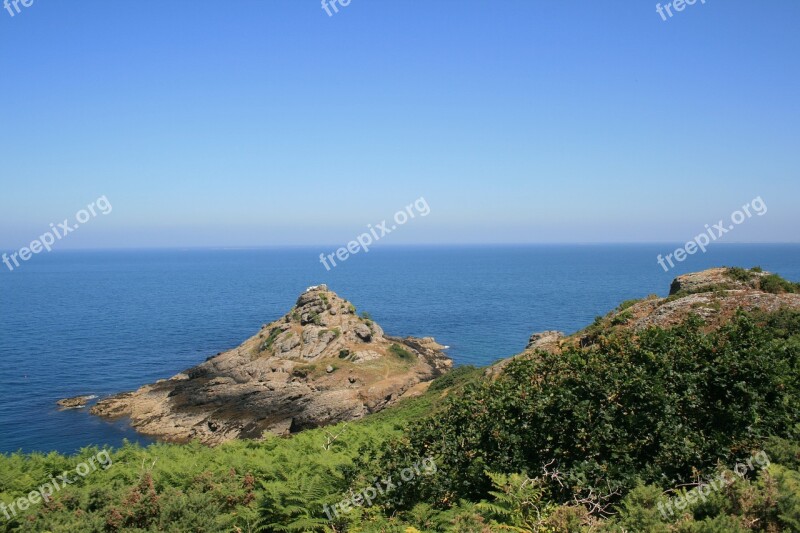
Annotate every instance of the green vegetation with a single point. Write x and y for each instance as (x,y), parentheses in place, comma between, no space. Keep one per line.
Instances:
(628,303)
(337,332)
(460,374)
(402,353)
(587,440)
(776,284)
(303,371)
(740,274)
(270,340)
(622,318)
(324,297)
(367,318)
(238,486)
(772,283)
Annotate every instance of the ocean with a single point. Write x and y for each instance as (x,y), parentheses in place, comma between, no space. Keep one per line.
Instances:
(102,322)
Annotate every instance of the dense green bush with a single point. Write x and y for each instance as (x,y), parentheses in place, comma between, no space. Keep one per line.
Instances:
(649,408)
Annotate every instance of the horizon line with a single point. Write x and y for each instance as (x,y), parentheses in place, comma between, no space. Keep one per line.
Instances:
(398,245)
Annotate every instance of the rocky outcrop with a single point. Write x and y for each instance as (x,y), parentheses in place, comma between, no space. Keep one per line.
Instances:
(318,365)
(715,295)
(78,402)
(713,278)
(548,341)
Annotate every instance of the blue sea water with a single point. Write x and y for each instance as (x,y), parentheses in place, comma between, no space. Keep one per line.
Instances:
(101,322)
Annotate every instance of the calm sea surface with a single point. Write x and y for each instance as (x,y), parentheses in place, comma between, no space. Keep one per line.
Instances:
(76,323)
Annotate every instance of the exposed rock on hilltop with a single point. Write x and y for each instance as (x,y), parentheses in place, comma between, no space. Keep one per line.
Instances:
(715,295)
(320,364)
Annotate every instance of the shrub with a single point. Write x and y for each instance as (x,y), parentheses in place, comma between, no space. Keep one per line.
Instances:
(739,274)
(776,285)
(622,318)
(650,407)
(399,351)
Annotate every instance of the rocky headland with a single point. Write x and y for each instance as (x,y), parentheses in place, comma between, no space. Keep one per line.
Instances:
(320,364)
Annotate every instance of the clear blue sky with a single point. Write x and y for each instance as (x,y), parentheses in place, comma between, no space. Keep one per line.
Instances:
(269,123)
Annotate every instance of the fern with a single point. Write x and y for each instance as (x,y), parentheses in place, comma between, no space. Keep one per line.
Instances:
(517,504)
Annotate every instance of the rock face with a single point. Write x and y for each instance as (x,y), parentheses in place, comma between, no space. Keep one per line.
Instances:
(320,364)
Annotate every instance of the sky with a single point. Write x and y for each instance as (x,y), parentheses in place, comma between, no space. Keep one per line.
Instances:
(271,123)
